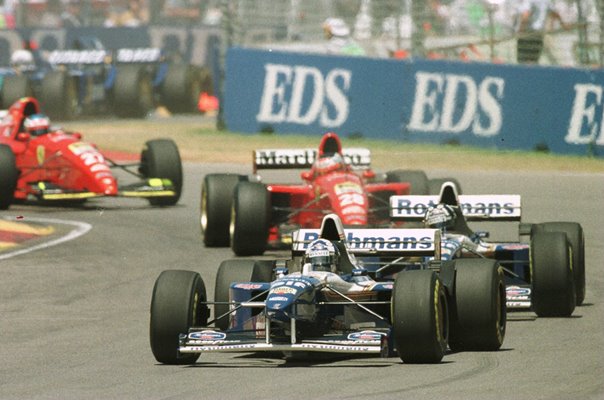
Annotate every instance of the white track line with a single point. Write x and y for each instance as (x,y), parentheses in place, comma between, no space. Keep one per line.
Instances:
(81,229)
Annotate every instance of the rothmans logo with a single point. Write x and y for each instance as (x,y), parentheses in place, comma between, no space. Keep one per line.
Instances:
(381,240)
(472,206)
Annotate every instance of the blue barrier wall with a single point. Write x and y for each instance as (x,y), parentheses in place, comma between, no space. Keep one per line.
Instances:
(503,106)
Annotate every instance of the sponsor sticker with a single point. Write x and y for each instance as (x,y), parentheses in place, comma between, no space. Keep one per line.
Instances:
(472,206)
(283,290)
(366,335)
(207,335)
(248,286)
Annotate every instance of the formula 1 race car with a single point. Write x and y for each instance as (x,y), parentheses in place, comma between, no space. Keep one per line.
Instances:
(250,215)
(546,274)
(42,163)
(413,308)
(89,79)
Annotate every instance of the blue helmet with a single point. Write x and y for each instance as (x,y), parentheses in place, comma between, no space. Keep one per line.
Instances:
(37,124)
(322,255)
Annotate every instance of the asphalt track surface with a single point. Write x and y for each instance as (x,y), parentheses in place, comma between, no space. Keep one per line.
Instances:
(74,317)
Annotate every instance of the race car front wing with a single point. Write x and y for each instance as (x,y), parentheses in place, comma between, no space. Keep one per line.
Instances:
(200,340)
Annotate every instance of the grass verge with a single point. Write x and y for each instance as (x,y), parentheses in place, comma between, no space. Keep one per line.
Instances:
(199,141)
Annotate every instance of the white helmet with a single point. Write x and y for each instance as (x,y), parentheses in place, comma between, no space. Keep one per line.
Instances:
(322,255)
(21,57)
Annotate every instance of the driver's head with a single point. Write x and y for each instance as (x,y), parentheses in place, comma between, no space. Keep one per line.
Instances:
(37,124)
(441,216)
(322,255)
(329,163)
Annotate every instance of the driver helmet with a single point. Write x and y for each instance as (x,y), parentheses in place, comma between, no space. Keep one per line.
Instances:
(322,255)
(441,216)
(330,163)
(21,57)
(37,124)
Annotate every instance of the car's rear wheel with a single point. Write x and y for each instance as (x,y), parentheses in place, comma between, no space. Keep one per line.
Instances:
(230,271)
(176,306)
(420,320)
(553,288)
(13,88)
(59,97)
(132,92)
(161,159)
(576,238)
(181,88)
(478,309)
(9,174)
(215,209)
(418,180)
(250,219)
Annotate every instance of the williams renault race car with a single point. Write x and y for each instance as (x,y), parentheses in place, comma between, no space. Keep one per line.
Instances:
(89,79)
(403,301)
(251,215)
(547,274)
(38,162)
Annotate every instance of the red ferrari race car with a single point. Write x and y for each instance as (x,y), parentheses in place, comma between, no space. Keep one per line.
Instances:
(40,162)
(250,215)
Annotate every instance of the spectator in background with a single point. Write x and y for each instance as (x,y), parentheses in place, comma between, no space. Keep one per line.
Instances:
(129,13)
(70,17)
(188,12)
(50,16)
(7,16)
(338,38)
(530,25)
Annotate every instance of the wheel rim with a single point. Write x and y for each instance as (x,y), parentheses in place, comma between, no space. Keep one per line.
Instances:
(232,225)
(203,220)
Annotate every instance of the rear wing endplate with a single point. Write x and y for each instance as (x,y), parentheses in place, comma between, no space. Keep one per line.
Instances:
(506,207)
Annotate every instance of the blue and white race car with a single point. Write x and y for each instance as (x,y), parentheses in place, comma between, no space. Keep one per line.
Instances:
(546,273)
(359,291)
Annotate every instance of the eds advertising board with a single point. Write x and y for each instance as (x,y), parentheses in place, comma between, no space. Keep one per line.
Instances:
(481,104)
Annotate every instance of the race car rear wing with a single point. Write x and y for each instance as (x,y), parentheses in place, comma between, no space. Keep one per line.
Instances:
(474,207)
(101,56)
(377,242)
(357,157)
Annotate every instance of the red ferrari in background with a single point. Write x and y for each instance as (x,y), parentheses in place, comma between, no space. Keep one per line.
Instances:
(40,162)
(251,215)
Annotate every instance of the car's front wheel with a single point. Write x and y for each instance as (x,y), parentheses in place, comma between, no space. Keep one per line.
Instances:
(9,174)
(177,304)
(420,317)
(161,159)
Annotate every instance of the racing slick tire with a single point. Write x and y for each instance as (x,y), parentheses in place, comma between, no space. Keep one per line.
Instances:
(574,234)
(160,158)
(59,96)
(132,92)
(420,318)
(176,306)
(478,306)
(435,184)
(13,88)
(9,174)
(215,208)
(229,271)
(553,286)
(250,219)
(180,90)
(418,180)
